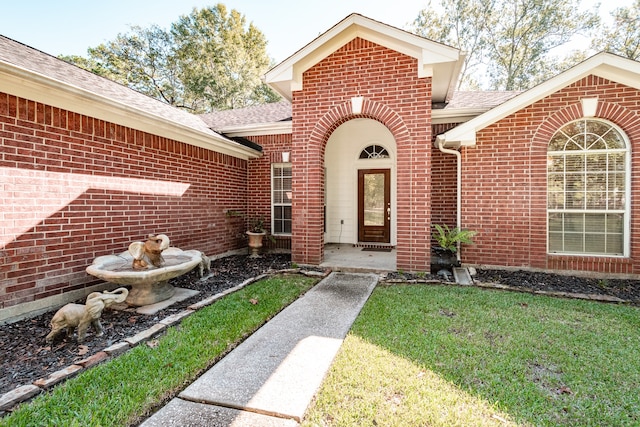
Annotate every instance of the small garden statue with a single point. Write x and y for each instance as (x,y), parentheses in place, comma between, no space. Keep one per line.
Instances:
(205,264)
(81,316)
(149,253)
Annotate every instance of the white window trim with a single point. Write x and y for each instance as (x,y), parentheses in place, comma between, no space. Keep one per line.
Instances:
(627,210)
(273,205)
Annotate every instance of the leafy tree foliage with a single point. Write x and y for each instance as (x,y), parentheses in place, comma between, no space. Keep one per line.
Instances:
(511,39)
(531,29)
(463,24)
(623,36)
(208,60)
(221,64)
(86,63)
(143,60)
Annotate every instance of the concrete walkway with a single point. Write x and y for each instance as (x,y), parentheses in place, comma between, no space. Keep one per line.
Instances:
(270,379)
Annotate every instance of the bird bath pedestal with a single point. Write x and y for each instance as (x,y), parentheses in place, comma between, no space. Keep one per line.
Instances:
(150,285)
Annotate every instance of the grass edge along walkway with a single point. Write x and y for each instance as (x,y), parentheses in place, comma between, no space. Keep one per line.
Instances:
(125,390)
(462,356)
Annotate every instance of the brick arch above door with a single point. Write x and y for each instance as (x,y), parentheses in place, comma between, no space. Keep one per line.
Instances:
(413,159)
(341,113)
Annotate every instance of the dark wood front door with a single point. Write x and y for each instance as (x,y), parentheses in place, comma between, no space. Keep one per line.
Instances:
(374,205)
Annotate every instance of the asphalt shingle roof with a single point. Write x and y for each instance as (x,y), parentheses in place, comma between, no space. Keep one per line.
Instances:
(479,99)
(259,114)
(28,58)
(281,111)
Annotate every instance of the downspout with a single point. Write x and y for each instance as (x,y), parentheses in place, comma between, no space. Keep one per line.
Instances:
(458,185)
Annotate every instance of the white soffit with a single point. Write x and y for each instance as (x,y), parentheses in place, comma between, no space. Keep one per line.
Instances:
(457,115)
(36,87)
(277,128)
(605,65)
(434,59)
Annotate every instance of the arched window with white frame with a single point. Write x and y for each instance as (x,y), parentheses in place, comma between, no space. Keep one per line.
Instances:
(374,152)
(588,180)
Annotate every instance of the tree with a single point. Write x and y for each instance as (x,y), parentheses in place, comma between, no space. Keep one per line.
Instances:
(208,60)
(143,60)
(623,36)
(462,23)
(525,32)
(86,63)
(511,39)
(553,66)
(220,62)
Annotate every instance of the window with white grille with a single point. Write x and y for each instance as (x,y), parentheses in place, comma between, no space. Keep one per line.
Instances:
(588,189)
(281,198)
(374,152)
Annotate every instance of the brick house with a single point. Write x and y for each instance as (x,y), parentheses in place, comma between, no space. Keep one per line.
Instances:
(371,146)
(88,166)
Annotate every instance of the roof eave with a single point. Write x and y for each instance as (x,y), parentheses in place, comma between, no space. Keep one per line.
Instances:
(433,58)
(468,140)
(604,65)
(23,83)
(457,115)
(255,129)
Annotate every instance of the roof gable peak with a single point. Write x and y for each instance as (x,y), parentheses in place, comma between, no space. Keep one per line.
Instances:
(605,65)
(435,59)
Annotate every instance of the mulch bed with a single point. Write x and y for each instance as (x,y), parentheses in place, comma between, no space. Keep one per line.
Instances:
(538,282)
(26,357)
(528,281)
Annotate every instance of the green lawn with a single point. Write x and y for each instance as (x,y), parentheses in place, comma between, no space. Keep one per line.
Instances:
(417,355)
(121,391)
(455,356)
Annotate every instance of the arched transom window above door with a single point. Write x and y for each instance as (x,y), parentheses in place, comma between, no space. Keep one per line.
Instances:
(374,152)
(588,189)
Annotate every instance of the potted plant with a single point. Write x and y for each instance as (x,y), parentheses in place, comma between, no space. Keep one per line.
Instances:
(448,240)
(256,233)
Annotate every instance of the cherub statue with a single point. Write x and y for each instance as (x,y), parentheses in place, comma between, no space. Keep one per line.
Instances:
(149,252)
(82,315)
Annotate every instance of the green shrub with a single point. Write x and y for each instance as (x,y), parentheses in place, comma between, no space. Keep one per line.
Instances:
(448,239)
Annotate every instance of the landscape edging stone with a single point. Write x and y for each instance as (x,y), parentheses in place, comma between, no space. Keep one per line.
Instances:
(25,392)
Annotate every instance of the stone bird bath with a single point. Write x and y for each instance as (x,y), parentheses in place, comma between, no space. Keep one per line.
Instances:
(151,284)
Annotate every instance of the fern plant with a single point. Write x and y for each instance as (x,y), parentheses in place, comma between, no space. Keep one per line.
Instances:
(448,238)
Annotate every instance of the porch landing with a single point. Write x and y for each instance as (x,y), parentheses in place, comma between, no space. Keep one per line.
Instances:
(346,257)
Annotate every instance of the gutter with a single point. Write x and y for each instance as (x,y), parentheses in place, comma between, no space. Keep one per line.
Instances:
(458,185)
(275,128)
(34,86)
(455,115)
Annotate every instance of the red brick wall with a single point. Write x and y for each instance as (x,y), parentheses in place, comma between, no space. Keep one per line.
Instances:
(74,188)
(504,180)
(395,96)
(259,189)
(443,182)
